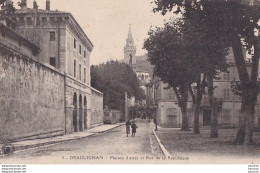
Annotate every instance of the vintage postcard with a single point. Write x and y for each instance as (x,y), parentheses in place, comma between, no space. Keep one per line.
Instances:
(129,82)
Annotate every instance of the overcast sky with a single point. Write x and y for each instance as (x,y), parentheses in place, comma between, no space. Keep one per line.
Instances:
(106,22)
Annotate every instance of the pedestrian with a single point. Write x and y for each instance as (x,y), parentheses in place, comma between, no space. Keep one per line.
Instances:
(134,127)
(155,122)
(128,124)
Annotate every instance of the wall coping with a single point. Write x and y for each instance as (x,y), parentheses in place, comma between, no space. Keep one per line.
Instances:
(2,44)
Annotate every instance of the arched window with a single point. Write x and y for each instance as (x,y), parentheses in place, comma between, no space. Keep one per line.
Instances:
(130,59)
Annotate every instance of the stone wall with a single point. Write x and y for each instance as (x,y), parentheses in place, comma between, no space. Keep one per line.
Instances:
(31,97)
(97,113)
(169,115)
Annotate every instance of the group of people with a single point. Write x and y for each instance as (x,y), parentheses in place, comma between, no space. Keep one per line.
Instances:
(133,126)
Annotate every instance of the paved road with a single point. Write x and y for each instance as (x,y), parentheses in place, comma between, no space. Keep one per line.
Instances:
(112,146)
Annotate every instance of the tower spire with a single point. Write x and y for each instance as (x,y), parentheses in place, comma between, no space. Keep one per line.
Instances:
(130,40)
(130,49)
(130,36)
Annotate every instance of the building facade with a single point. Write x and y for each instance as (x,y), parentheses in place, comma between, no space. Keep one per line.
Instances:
(130,49)
(139,64)
(169,115)
(63,47)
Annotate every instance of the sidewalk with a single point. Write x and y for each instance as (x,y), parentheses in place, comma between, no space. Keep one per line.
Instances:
(22,145)
(200,148)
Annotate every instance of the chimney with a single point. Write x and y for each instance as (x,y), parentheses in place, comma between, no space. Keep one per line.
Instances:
(8,2)
(35,6)
(48,5)
(23,4)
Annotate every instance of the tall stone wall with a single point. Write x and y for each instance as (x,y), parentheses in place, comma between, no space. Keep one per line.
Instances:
(31,98)
(97,113)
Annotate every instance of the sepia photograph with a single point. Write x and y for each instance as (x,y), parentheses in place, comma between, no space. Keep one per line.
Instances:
(129,82)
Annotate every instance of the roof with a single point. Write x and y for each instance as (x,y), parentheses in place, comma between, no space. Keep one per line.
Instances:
(130,36)
(30,10)
(16,36)
(141,57)
(40,11)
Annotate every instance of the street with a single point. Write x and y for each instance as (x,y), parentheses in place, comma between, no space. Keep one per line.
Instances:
(112,146)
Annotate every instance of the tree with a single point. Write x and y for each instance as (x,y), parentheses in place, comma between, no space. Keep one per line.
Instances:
(114,79)
(237,24)
(6,8)
(167,51)
(210,52)
(196,93)
(189,51)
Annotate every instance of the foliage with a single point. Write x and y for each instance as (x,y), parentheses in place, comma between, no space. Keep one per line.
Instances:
(7,9)
(236,24)
(114,79)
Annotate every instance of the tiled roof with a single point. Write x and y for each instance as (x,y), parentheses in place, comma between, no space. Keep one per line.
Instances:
(30,10)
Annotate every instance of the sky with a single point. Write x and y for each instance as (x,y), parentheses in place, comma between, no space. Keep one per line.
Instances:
(106,23)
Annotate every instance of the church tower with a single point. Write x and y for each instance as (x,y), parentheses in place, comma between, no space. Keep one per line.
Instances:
(130,49)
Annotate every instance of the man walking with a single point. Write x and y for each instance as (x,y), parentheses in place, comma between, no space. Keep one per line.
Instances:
(128,124)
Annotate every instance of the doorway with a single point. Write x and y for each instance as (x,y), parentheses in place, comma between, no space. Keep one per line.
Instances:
(206,117)
(75,123)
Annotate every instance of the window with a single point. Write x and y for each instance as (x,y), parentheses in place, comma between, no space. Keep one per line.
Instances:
(226,117)
(75,43)
(172,115)
(80,49)
(80,72)
(226,92)
(29,20)
(53,61)
(84,54)
(44,19)
(226,76)
(75,68)
(52,36)
(171,94)
(84,75)
(237,97)
(172,118)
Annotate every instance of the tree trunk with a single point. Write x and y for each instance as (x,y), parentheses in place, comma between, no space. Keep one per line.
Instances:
(185,120)
(196,128)
(241,132)
(249,92)
(196,101)
(213,106)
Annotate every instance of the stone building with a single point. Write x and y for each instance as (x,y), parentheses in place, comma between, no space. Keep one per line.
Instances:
(169,115)
(139,64)
(130,49)
(31,94)
(62,49)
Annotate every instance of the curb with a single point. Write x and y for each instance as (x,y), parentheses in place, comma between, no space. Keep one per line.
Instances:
(165,152)
(25,147)
(119,125)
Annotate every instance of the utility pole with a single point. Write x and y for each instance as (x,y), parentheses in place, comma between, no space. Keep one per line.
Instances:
(126,107)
